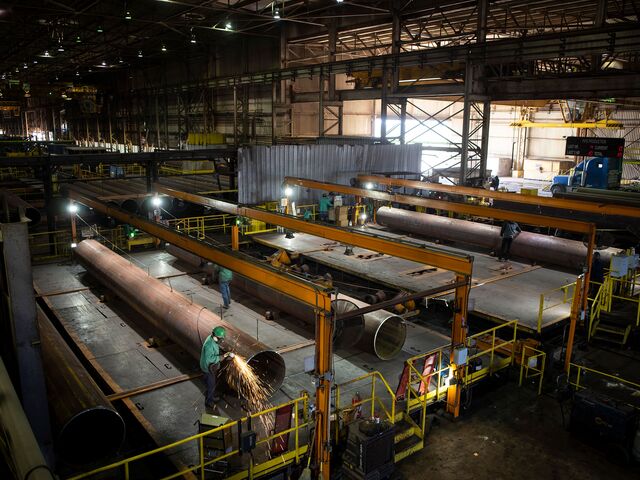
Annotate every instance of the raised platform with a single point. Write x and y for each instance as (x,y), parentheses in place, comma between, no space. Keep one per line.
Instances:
(500,291)
(114,338)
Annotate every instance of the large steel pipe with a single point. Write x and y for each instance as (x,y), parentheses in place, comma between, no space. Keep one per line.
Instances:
(346,334)
(187,323)
(88,427)
(381,333)
(27,460)
(534,246)
(384,332)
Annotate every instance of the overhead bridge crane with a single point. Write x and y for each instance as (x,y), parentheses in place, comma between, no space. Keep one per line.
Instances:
(308,292)
(588,229)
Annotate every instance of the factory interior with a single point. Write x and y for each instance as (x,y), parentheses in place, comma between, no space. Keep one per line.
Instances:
(329,239)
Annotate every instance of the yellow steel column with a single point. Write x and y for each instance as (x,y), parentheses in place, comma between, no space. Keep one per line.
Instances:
(587,273)
(235,241)
(575,311)
(458,338)
(324,374)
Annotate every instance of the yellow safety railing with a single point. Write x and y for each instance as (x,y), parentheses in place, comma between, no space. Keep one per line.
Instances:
(500,353)
(167,170)
(532,366)
(46,246)
(554,298)
(420,392)
(254,469)
(622,288)
(579,375)
(199,227)
(375,400)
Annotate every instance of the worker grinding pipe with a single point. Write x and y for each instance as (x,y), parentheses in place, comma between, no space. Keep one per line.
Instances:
(509,231)
(325,204)
(224,280)
(210,364)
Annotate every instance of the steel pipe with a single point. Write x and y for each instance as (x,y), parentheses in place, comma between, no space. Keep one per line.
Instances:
(187,323)
(88,427)
(26,455)
(346,334)
(534,246)
(381,332)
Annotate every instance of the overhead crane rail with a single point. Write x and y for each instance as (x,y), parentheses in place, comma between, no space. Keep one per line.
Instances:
(463,208)
(566,204)
(461,264)
(307,292)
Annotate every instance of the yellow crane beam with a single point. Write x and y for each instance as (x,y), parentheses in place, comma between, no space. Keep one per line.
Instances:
(561,203)
(462,264)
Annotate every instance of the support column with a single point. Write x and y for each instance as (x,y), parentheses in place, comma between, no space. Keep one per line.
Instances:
(333,40)
(396,30)
(324,379)
(458,339)
(274,100)
(486,123)
(321,105)
(235,115)
(383,103)
(403,119)
(24,328)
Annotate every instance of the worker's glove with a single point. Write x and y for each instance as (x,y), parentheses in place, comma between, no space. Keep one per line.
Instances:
(213,368)
(229,355)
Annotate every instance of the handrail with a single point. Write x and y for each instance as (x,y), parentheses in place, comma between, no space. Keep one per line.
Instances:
(544,296)
(391,415)
(525,365)
(581,370)
(231,426)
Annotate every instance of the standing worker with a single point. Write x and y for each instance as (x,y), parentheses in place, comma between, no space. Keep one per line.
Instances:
(509,231)
(210,364)
(596,277)
(325,204)
(224,279)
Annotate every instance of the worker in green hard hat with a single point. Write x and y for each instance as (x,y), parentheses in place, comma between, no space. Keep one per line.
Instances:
(210,363)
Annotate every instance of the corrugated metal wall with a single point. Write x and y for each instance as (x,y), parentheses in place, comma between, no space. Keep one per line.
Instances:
(262,169)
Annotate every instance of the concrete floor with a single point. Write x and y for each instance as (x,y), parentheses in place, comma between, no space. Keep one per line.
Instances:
(518,285)
(510,433)
(116,340)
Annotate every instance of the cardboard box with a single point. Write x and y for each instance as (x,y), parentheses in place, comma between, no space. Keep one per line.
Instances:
(342,223)
(342,213)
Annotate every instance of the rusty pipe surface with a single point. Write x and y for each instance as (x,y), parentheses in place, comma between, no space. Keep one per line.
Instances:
(381,332)
(88,427)
(534,246)
(187,323)
(346,334)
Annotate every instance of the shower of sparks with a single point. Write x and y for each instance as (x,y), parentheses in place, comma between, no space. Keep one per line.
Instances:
(250,387)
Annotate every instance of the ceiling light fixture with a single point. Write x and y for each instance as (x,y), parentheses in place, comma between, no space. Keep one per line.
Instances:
(78,39)
(104,64)
(193,36)
(276,14)
(120,60)
(164,48)
(228,26)
(127,15)
(46,54)
(60,48)
(25,66)
(77,74)
(35,62)
(139,53)
(99,29)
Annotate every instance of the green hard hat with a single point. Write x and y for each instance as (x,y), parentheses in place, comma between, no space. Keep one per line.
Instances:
(219,332)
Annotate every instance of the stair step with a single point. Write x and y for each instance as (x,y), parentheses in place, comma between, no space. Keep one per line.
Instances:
(611,329)
(609,337)
(407,447)
(404,430)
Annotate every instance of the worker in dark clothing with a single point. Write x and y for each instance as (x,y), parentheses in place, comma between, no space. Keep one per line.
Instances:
(325,204)
(495,183)
(225,276)
(509,231)
(210,357)
(596,277)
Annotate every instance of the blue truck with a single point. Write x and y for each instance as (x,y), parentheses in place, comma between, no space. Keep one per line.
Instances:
(603,173)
